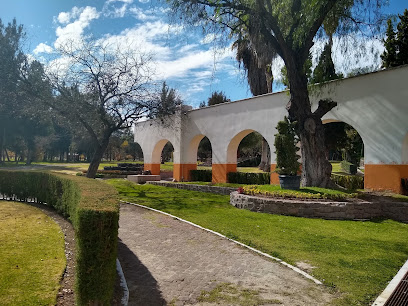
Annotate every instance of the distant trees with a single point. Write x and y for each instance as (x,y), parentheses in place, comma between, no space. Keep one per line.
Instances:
(396,43)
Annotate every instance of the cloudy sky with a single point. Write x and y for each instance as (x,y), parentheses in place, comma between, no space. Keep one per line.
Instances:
(187,59)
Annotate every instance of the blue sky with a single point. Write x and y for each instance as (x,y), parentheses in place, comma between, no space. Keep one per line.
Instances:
(187,59)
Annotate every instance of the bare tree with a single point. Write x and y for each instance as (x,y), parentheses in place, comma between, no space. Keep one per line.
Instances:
(102,88)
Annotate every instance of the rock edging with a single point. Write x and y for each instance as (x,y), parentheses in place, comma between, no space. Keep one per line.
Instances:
(193,187)
(356,210)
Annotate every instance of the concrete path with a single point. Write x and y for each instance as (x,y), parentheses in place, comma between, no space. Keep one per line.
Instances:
(169,262)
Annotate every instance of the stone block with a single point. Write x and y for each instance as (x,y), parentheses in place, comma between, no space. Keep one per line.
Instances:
(141,179)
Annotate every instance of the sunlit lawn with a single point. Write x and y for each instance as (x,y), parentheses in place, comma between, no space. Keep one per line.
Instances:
(32,257)
(356,258)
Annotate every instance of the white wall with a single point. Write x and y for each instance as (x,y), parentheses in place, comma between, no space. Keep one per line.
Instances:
(376,105)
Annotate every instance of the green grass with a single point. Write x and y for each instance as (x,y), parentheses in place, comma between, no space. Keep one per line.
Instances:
(357,258)
(32,256)
(305,192)
(214,184)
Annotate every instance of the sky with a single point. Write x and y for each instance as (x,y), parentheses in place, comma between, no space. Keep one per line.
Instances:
(186,58)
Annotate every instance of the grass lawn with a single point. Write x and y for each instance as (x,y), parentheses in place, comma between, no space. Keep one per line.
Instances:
(232,185)
(32,256)
(356,258)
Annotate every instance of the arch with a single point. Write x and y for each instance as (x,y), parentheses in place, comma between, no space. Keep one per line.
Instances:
(234,143)
(193,148)
(157,150)
(404,156)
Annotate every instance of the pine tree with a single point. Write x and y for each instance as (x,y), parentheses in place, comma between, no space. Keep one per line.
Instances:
(389,57)
(402,39)
(325,70)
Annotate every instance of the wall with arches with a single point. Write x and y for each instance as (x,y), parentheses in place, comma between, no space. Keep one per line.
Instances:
(376,105)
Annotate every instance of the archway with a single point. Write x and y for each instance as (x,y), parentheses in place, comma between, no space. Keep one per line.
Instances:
(246,146)
(344,146)
(162,154)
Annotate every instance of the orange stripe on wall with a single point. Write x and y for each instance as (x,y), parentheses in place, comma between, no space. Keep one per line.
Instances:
(154,168)
(220,171)
(384,177)
(274,175)
(181,172)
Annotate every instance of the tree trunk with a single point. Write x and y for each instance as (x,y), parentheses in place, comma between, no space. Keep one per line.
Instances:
(97,157)
(316,169)
(265,157)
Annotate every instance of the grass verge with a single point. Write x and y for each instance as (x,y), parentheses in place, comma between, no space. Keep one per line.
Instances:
(357,258)
(32,256)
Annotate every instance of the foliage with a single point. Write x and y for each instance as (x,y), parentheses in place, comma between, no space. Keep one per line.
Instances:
(350,182)
(396,43)
(358,259)
(32,256)
(93,209)
(325,70)
(167,102)
(285,145)
(302,193)
(201,175)
(249,178)
(217,97)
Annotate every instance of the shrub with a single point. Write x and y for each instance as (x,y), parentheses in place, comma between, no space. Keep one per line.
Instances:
(201,175)
(350,182)
(249,178)
(348,167)
(92,207)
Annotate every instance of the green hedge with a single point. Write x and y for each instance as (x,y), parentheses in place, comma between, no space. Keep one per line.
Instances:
(201,175)
(350,182)
(348,167)
(92,206)
(249,178)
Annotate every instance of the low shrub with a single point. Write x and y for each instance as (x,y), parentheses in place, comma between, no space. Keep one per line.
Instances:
(303,193)
(350,182)
(348,167)
(92,207)
(201,175)
(249,178)
(252,162)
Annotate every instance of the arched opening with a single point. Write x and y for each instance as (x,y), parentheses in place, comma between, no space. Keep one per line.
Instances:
(344,147)
(244,154)
(162,159)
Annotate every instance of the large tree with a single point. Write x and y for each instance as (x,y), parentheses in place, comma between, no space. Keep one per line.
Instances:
(289,27)
(396,43)
(102,88)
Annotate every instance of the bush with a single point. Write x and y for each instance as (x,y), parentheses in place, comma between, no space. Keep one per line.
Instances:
(348,167)
(92,207)
(249,178)
(350,182)
(201,175)
(252,162)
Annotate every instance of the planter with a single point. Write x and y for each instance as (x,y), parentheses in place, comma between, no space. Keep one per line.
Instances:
(289,182)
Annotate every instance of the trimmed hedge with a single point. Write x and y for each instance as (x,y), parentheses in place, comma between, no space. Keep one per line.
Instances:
(201,175)
(350,182)
(92,206)
(249,178)
(348,167)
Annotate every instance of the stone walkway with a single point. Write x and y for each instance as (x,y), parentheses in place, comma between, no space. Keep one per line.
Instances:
(166,261)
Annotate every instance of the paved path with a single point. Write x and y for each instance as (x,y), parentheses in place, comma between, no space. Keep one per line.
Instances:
(166,261)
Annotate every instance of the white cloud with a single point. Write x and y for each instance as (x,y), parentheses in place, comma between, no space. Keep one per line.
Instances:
(42,48)
(116,8)
(143,15)
(209,38)
(73,31)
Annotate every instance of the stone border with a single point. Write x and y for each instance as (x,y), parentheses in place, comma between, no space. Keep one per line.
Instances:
(353,210)
(193,187)
(234,241)
(123,284)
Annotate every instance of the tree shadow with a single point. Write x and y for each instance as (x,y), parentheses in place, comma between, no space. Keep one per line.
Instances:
(143,287)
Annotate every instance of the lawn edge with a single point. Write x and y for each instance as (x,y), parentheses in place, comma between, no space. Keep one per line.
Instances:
(297,270)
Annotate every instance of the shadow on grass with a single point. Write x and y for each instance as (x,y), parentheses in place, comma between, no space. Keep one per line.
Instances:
(143,287)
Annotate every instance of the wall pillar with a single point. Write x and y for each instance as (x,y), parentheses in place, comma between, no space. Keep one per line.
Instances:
(274,175)
(220,171)
(384,177)
(181,172)
(154,168)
